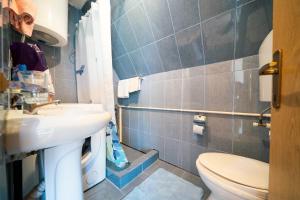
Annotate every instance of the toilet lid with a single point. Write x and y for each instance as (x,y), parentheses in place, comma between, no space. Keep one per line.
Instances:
(245,171)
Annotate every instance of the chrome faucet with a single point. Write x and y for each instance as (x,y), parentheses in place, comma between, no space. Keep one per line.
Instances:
(32,108)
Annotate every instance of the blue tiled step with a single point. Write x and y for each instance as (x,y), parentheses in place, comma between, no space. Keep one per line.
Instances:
(122,178)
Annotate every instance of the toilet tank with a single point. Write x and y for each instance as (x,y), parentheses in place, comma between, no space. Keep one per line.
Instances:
(265,57)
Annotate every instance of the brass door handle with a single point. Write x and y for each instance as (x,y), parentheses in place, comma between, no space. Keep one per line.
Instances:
(274,68)
(269,69)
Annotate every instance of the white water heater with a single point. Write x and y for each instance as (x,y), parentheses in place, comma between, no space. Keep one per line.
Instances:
(265,57)
(51,22)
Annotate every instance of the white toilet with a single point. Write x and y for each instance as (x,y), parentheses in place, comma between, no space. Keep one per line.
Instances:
(231,177)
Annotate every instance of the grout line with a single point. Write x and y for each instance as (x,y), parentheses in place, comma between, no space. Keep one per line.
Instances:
(218,15)
(127,53)
(174,33)
(204,57)
(125,13)
(149,23)
(202,39)
(244,4)
(130,26)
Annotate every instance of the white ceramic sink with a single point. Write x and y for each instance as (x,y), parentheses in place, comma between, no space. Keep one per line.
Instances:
(58,130)
(51,126)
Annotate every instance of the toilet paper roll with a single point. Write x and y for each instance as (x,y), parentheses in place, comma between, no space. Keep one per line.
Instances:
(197,129)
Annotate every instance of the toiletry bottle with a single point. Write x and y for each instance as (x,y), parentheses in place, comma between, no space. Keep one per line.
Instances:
(24,75)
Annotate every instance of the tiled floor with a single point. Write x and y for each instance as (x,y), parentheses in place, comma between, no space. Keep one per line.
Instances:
(107,191)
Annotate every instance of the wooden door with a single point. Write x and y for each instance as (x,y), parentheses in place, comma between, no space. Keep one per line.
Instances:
(285,131)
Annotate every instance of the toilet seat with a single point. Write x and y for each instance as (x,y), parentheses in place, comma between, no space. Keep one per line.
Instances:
(215,170)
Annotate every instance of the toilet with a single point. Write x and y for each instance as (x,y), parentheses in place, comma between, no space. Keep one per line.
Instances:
(232,177)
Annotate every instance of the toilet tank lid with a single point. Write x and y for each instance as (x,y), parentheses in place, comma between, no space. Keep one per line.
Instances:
(238,169)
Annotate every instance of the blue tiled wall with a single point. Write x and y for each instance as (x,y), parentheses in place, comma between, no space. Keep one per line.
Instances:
(152,36)
(225,86)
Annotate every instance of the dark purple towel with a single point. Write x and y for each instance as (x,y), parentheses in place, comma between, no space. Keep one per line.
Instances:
(28,54)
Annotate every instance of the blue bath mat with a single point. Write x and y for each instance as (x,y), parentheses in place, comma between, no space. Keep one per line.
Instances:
(163,185)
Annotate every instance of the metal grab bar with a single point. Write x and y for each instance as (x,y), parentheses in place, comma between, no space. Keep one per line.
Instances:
(198,111)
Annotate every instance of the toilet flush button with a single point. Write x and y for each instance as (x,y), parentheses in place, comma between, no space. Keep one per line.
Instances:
(91,177)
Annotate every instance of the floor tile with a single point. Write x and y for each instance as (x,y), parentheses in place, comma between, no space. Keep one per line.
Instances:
(104,190)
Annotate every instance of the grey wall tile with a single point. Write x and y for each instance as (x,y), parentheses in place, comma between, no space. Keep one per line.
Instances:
(135,139)
(134,119)
(248,140)
(152,58)
(125,117)
(117,45)
(160,18)
(124,65)
(222,35)
(220,133)
(125,136)
(169,53)
(171,75)
(156,123)
(157,95)
(173,93)
(144,94)
(241,2)
(250,62)
(188,156)
(185,13)
(190,46)
(219,92)
(146,143)
(139,63)
(120,7)
(193,71)
(140,25)
(250,18)
(193,92)
(172,151)
(172,125)
(65,90)
(157,143)
(126,34)
(211,8)
(144,121)
(218,37)
(119,68)
(219,67)
(246,97)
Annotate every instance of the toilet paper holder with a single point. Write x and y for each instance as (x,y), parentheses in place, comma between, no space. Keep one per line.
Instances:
(199,122)
(199,119)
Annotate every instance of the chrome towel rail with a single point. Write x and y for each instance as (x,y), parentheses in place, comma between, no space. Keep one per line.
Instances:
(198,111)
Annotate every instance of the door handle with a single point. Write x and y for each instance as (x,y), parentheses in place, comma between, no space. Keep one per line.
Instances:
(274,68)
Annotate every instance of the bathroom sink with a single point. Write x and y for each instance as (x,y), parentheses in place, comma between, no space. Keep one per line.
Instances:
(52,126)
(58,130)
(69,109)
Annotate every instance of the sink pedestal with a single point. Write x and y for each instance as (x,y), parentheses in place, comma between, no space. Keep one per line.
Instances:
(63,177)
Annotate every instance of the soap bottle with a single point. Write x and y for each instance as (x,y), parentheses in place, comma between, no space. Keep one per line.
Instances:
(24,75)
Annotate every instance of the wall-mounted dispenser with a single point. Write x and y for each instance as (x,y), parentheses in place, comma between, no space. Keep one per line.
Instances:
(51,22)
(265,57)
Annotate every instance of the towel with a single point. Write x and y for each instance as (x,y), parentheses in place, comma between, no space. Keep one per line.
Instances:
(123,90)
(21,15)
(134,84)
(115,153)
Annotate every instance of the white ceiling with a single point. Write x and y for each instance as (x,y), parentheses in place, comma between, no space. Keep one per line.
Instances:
(77,3)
